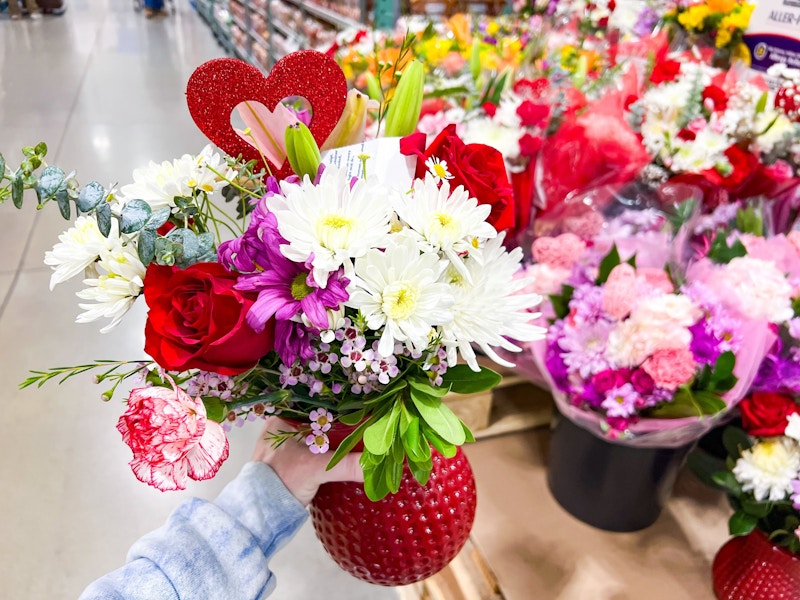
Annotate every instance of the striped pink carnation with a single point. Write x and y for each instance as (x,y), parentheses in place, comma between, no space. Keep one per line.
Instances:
(171,438)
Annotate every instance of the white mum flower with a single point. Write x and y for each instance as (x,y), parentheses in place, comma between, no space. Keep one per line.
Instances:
(400,291)
(204,168)
(487,131)
(489,310)
(452,223)
(332,220)
(768,468)
(793,427)
(120,282)
(78,249)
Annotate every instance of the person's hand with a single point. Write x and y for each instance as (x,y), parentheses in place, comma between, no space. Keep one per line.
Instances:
(301,471)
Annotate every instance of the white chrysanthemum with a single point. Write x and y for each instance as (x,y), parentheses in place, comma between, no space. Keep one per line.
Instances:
(756,288)
(768,468)
(489,311)
(78,249)
(159,184)
(793,426)
(332,220)
(487,131)
(116,288)
(441,220)
(399,291)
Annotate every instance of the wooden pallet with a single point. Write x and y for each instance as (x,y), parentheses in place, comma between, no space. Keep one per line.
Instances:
(514,405)
(467,577)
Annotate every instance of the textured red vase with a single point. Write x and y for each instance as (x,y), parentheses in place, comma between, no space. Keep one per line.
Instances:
(753,568)
(407,536)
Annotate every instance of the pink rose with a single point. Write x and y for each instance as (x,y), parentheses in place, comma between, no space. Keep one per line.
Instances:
(655,279)
(671,368)
(562,251)
(618,299)
(171,438)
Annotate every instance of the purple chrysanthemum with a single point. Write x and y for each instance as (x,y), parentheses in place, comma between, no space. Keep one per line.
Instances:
(585,347)
(293,341)
(258,246)
(621,401)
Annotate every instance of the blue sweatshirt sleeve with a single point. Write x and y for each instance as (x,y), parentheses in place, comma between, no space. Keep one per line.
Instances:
(211,550)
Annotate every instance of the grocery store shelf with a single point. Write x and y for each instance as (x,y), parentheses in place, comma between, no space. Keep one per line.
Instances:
(287,32)
(258,39)
(239,23)
(325,14)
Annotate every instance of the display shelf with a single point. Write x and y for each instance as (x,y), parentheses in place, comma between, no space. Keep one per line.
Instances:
(287,32)
(241,24)
(258,39)
(325,14)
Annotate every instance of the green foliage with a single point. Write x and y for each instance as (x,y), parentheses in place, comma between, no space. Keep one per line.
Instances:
(561,302)
(610,260)
(463,380)
(748,220)
(721,253)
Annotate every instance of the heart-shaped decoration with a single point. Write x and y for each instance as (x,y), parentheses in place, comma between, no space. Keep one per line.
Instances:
(219,85)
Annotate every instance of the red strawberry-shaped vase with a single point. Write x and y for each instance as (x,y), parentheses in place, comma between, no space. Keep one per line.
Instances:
(787,99)
(405,537)
(753,568)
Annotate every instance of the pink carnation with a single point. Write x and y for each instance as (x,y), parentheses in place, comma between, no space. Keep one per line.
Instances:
(794,240)
(670,368)
(560,252)
(656,279)
(586,225)
(618,299)
(171,438)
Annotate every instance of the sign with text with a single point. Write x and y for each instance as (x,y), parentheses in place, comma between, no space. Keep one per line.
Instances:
(773,36)
(383,159)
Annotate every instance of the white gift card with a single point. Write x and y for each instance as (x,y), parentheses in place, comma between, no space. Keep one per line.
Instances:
(383,161)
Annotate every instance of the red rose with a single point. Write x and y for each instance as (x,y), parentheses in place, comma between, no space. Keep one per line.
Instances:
(532,114)
(717,97)
(765,413)
(197,320)
(479,168)
(665,70)
(529,145)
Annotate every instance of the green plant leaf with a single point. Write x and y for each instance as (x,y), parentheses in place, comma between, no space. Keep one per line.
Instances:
(439,418)
(425,387)
(709,402)
(353,418)
(375,485)
(416,446)
(561,301)
(446,449)
(2,167)
(50,180)
(379,436)
(40,149)
(705,466)
(348,444)
(748,220)
(723,368)
(17,189)
(721,253)
(216,409)
(103,215)
(467,433)
(741,523)
(611,260)
(393,472)
(421,470)
(762,103)
(755,508)
(727,481)
(90,196)
(158,218)
(735,440)
(406,419)
(134,215)
(463,380)
(62,199)
(683,404)
(146,246)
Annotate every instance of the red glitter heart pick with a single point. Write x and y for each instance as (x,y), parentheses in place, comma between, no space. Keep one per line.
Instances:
(218,86)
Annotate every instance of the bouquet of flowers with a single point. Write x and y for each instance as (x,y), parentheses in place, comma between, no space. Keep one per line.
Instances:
(331,296)
(762,475)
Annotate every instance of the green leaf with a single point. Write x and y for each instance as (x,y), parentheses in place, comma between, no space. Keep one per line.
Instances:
(758,509)
(439,418)
(421,470)
(561,301)
(762,103)
(446,449)
(735,440)
(724,366)
(348,444)
(17,189)
(683,404)
(62,199)
(103,215)
(90,196)
(741,523)
(748,220)
(50,180)
(721,253)
(406,418)
(393,472)
(415,444)
(709,402)
(705,466)
(134,215)
(379,436)
(425,387)
(727,481)
(467,433)
(216,409)
(463,380)
(611,260)
(205,243)
(2,167)
(40,149)
(146,246)
(353,418)
(374,468)
(158,218)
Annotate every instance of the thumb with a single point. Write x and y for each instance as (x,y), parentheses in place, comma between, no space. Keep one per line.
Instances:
(348,469)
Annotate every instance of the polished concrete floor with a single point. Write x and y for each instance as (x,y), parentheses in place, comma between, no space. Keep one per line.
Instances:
(105,89)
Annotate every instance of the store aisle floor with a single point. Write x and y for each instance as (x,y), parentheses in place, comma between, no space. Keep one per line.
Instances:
(104,88)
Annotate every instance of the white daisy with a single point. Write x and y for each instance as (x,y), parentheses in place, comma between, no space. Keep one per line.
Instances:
(78,249)
(116,289)
(333,220)
(400,291)
(452,223)
(438,169)
(768,469)
(489,311)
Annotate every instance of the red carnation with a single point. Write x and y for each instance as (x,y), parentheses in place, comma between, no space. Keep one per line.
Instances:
(532,114)
(716,96)
(665,70)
